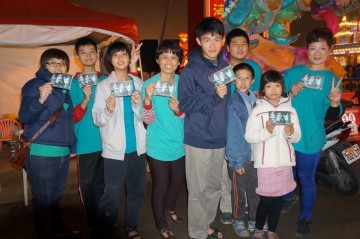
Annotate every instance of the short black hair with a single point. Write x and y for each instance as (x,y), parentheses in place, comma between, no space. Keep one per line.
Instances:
(319,34)
(244,66)
(209,25)
(84,41)
(113,48)
(54,53)
(270,76)
(236,32)
(169,46)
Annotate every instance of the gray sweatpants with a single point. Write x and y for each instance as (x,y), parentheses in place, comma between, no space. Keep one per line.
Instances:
(203,176)
(225,200)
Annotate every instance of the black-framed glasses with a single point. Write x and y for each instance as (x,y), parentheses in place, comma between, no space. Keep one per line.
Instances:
(56,64)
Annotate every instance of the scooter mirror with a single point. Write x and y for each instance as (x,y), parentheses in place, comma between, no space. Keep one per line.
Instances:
(356,94)
(347,103)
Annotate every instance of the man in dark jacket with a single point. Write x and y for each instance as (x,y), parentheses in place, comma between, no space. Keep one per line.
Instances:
(205,108)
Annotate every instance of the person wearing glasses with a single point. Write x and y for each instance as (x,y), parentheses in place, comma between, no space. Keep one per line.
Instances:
(48,162)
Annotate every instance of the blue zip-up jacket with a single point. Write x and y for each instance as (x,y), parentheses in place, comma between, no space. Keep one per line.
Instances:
(34,115)
(238,150)
(205,112)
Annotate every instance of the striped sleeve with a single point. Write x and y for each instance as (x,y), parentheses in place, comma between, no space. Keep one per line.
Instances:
(148,114)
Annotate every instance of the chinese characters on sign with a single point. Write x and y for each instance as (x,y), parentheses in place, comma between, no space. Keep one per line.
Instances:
(215,8)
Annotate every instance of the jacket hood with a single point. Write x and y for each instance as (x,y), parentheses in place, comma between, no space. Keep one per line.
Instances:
(44,74)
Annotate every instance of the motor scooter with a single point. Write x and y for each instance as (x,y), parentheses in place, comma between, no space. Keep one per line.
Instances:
(335,168)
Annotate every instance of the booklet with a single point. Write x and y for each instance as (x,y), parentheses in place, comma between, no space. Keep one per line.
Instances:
(163,88)
(61,80)
(88,79)
(222,76)
(311,81)
(122,88)
(280,117)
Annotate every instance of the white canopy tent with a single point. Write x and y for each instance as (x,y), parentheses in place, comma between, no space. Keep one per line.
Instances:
(28,27)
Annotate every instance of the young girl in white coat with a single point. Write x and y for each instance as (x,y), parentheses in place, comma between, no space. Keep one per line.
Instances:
(272,150)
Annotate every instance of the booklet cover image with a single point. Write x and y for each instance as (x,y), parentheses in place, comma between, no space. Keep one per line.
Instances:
(222,76)
(280,117)
(122,88)
(313,81)
(87,79)
(163,88)
(61,80)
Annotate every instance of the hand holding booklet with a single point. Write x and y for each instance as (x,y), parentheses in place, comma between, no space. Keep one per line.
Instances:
(222,76)
(163,88)
(61,80)
(280,117)
(122,88)
(313,81)
(87,79)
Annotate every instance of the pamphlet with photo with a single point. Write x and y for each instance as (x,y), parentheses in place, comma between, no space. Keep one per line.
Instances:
(312,81)
(280,117)
(163,88)
(87,79)
(61,80)
(222,76)
(122,88)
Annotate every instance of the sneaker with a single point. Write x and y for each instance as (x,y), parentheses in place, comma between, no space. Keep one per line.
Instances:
(303,228)
(287,204)
(226,218)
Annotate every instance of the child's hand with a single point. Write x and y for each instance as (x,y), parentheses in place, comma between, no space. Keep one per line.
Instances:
(240,171)
(45,90)
(135,55)
(110,103)
(297,88)
(136,97)
(149,91)
(289,129)
(270,126)
(87,93)
(174,105)
(221,91)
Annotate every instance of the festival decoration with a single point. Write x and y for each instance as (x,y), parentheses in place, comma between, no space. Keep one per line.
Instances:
(183,42)
(257,16)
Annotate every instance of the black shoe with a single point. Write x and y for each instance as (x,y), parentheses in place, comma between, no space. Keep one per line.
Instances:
(287,204)
(303,228)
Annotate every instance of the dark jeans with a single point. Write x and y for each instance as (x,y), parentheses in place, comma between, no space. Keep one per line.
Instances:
(129,173)
(48,179)
(304,173)
(168,178)
(241,184)
(91,183)
(269,208)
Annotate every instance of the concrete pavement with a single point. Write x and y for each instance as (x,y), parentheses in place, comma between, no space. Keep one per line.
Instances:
(335,216)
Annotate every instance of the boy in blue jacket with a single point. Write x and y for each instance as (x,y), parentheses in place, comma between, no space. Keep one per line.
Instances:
(205,109)
(238,151)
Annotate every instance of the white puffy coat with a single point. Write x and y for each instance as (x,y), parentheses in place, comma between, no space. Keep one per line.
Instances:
(271,150)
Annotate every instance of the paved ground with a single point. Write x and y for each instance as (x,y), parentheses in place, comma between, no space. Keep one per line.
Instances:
(335,216)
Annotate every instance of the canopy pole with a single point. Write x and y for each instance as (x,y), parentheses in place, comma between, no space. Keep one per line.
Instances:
(165,20)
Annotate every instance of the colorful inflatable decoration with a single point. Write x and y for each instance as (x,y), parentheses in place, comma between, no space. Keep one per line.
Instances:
(270,55)
(257,16)
(330,11)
